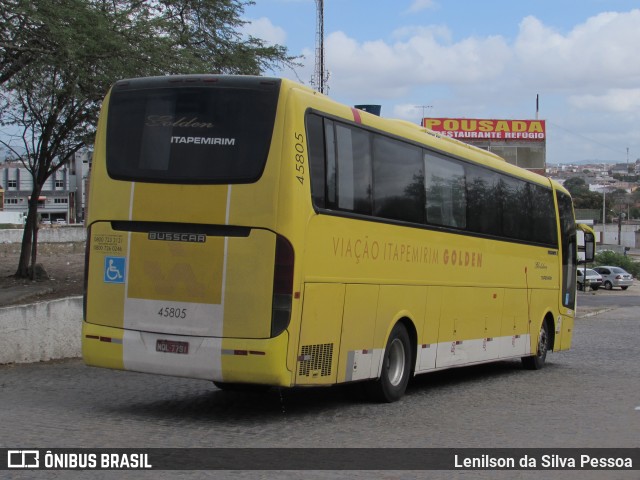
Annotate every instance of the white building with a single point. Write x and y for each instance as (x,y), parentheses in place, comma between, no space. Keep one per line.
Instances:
(63,195)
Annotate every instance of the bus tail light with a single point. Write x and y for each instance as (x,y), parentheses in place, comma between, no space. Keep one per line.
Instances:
(282,286)
(87,249)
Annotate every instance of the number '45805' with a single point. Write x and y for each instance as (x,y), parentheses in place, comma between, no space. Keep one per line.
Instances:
(171,312)
(299,147)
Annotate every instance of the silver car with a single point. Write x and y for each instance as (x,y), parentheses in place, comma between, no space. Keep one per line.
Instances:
(614,277)
(594,279)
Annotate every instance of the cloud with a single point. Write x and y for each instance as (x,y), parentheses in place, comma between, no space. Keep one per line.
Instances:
(419,5)
(588,77)
(600,53)
(616,100)
(421,56)
(263,29)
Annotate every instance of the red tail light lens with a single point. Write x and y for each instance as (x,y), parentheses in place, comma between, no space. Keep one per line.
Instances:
(282,286)
(87,247)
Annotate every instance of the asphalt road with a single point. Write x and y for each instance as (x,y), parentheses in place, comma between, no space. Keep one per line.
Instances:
(611,298)
(588,396)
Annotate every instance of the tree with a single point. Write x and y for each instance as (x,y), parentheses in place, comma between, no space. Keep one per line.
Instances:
(582,196)
(59,57)
(618,260)
(576,186)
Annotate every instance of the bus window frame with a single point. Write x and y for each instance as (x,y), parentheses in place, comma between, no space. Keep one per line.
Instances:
(327,210)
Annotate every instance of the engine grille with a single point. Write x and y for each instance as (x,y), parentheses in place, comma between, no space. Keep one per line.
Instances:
(316,359)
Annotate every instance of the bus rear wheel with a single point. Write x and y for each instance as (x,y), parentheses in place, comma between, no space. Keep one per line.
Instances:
(536,362)
(396,367)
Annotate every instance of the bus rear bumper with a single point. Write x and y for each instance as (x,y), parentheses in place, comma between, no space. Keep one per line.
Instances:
(253,361)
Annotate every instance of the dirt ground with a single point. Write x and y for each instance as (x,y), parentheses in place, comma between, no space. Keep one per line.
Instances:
(63,262)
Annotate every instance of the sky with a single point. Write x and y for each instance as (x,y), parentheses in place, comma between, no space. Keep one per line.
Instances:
(478,59)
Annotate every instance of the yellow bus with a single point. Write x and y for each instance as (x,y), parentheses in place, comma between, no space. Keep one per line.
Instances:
(251,231)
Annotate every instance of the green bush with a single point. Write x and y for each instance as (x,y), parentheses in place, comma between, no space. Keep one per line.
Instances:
(618,260)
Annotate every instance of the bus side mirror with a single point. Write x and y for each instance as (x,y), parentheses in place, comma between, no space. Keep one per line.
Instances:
(589,247)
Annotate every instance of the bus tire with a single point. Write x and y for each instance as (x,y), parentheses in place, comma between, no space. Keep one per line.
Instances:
(536,362)
(396,367)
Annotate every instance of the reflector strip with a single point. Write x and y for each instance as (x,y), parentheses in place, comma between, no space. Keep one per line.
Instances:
(117,341)
(111,340)
(242,352)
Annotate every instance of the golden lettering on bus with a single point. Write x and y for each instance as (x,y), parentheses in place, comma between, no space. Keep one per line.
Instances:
(360,249)
(171,121)
(363,249)
(462,258)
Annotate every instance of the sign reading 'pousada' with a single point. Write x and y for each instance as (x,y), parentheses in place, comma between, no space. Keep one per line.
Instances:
(472,128)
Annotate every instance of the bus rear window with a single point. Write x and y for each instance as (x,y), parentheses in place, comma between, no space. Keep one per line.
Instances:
(190,134)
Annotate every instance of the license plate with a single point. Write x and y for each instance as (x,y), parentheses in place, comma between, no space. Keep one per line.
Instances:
(171,346)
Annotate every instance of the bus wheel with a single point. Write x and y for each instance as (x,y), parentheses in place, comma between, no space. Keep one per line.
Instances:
(536,362)
(396,366)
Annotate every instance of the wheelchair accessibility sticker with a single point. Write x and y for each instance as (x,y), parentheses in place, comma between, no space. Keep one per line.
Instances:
(114,269)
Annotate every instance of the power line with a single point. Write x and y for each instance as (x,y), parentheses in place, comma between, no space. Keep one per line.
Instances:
(584,137)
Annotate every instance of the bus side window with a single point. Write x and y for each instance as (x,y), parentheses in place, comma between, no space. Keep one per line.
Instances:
(485,206)
(398,180)
(353,148)
(446,192)
(315,136)
(331,167)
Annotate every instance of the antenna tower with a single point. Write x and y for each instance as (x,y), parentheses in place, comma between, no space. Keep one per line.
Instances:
(320,77)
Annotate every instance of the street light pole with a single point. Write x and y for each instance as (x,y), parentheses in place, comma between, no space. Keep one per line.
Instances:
(423,107)
(604,218)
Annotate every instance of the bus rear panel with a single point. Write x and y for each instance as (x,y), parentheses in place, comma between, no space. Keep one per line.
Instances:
(172,251)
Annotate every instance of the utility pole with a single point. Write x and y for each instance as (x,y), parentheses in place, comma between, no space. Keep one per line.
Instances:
(423,107)
(604,218)
(320,77)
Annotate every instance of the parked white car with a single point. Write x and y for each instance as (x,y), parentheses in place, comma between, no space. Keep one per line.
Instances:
(594,279)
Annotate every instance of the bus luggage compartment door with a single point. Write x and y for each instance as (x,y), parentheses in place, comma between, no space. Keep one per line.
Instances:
(319,345)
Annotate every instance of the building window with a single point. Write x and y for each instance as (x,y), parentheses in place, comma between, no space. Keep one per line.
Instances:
(59,183)
(11,201)
(60,200)
(12,184)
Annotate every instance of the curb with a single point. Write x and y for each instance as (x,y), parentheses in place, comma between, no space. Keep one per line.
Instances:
(595,312)
(41,331)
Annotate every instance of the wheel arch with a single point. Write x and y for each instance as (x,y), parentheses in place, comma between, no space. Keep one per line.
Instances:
(413,336)
(549,319)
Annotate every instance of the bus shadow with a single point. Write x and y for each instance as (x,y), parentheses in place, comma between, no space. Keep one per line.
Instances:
(467,375)
(238,407)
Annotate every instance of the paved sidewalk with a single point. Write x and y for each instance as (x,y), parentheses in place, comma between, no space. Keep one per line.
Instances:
(26,293)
